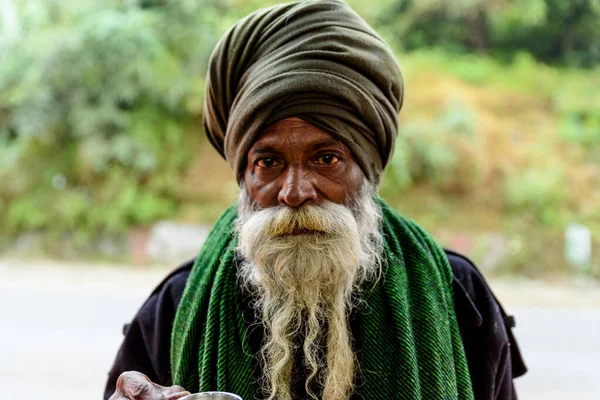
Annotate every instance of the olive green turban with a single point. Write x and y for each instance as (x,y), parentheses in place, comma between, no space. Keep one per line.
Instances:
(316,60)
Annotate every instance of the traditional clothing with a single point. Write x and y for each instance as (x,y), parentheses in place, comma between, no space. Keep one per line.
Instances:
(319,61)
(492,353)
(316,60)
(408,343)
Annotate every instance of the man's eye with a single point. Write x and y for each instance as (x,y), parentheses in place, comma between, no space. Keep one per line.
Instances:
(328,159)
(267,162)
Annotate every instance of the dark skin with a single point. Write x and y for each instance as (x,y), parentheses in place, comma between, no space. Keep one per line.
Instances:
(293,163)
(134,385)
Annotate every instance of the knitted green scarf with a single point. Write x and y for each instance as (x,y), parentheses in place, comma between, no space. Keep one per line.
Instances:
(408,343)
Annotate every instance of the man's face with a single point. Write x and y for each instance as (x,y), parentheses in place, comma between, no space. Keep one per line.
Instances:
(294,163)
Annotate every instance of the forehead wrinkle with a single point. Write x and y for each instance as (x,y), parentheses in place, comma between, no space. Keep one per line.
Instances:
(301,133)
(261,148)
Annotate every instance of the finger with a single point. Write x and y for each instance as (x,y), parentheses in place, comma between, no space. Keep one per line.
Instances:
(177,395)
(117,396)
(137,386)
(166,390)
(173,392)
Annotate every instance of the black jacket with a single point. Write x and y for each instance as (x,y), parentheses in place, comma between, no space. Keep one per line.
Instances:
(492,353)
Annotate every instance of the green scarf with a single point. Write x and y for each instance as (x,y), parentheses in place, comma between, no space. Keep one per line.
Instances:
(408,343)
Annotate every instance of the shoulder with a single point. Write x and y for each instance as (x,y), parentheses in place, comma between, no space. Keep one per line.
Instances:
(473,296)
(485,326)
(472,290)
(164,299)
(468,277)
(174,283)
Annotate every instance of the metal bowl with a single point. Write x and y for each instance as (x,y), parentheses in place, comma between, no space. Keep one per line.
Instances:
(212,396)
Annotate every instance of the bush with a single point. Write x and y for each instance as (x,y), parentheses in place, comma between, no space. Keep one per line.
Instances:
(443,153)
(554,31)
(539,193)
(96,102)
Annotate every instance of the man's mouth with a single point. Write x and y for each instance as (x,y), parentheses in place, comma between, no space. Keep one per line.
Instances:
(305,231)
(297,231)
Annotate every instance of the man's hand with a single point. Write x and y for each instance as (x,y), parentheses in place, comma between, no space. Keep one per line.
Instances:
(133,385)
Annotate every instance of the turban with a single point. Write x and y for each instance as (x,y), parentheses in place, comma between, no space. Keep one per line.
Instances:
(316,60)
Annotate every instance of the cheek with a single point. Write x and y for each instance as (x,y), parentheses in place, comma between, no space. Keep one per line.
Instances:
(356,178)
(344,185)
(264,193)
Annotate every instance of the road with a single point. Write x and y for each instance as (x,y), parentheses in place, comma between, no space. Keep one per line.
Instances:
(562,350)
(61,327)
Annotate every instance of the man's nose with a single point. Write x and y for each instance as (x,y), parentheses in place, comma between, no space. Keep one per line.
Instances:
(297,189)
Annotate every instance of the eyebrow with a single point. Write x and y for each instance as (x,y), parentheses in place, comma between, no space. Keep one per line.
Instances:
(261,149)
(326,143)
(264,149)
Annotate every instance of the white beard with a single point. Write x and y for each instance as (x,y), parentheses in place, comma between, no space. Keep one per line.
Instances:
(304,267)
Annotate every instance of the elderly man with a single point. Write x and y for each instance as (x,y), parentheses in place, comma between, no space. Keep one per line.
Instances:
(312,286)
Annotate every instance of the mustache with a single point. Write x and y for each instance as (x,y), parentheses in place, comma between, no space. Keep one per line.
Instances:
(322,219)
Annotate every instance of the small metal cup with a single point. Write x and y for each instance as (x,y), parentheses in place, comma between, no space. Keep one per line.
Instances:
(212,396)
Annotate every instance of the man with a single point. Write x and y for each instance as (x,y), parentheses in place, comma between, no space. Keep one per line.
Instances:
(312,286)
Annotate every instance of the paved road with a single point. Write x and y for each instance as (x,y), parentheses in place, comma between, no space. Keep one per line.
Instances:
(59,332)
(60,328)
(562,351)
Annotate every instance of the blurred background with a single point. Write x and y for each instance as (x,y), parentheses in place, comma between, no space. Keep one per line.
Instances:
(107,180)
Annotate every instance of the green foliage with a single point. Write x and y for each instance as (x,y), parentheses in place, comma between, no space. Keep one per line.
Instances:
(442,153)
(100,103)
(537,192)
(566,32)
(583,130)
(95,110)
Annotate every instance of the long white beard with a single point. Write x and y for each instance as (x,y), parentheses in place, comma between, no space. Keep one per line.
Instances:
(304,267)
